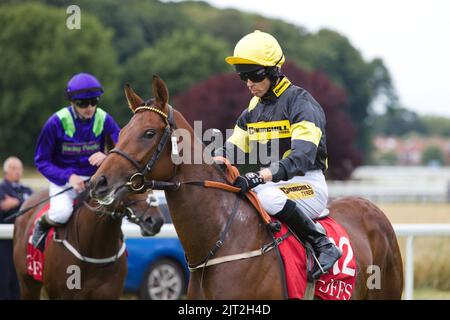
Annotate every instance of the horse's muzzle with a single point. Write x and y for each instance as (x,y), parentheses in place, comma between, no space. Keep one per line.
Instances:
(151,226)
(103,193)
(99,187)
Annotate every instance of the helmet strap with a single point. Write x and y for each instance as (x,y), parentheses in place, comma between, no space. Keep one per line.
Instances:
(274,75)
(276,64)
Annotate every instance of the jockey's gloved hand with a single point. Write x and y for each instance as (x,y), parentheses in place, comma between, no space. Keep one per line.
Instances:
(248,181)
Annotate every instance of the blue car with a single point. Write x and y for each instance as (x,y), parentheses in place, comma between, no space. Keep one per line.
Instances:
(157,268)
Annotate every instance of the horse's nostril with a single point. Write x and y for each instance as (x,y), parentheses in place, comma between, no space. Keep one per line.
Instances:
(149,221)
(99,185)
(150,226)
(102,182)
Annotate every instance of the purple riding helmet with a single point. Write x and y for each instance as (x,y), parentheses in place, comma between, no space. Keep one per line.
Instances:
(83,86)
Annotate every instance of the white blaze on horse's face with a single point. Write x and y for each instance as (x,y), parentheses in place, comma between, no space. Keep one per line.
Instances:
(152,200)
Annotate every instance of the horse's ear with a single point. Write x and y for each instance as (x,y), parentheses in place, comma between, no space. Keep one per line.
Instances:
(109,143)
(133,99)
(160,92)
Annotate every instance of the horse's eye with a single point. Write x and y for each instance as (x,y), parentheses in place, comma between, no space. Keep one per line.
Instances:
(149,134)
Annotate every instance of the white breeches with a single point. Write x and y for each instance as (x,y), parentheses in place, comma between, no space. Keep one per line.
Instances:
(61,206)
(310,193)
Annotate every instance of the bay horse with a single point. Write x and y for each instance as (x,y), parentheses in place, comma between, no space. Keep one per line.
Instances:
(201,215)
(96,235)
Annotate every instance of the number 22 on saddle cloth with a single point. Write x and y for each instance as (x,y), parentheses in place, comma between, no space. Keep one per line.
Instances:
(337,284)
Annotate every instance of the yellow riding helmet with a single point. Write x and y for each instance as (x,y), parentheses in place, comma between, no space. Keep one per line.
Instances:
(257,48)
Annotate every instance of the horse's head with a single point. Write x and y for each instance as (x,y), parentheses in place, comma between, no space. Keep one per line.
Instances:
(143,210)
(143,149)
(139,208)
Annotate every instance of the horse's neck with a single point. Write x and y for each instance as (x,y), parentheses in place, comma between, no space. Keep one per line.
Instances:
(199,214)
(94,235)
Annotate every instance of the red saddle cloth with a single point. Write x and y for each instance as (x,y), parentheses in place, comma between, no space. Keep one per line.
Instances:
(36,257)
(337,284)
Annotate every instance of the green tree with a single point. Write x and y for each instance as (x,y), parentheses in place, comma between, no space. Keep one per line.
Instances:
(228,24)
(38,56)
(432,154)
(333,54)
(137,24)
(437,126)
(381,83)
(398,121)
(182,59)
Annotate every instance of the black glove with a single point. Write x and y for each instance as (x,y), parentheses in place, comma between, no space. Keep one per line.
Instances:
(248,181)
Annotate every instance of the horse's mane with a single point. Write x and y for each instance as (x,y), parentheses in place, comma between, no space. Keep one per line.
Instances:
(220,169)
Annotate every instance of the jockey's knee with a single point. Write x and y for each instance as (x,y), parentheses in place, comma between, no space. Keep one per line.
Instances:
(60,215)
(272,200)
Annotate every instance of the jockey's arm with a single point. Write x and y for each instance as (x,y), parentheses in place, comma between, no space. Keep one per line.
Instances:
(266,174)
(44,155)
(306,132)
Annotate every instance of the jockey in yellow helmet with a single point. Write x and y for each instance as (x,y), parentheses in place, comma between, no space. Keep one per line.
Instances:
(289,124)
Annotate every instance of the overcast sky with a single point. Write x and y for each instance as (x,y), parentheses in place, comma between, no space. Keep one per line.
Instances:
(411,36)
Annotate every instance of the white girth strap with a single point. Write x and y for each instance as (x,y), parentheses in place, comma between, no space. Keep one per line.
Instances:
(74,251)
(233,257)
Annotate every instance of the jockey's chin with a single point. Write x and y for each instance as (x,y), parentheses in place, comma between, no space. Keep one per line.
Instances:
(86,113)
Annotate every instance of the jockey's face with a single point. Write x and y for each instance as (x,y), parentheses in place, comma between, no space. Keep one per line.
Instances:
(85,113)
(258,89)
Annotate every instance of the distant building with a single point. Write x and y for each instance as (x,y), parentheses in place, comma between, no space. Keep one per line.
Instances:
(409,150)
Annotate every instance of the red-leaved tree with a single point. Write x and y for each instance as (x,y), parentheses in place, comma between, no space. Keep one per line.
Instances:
(219,101)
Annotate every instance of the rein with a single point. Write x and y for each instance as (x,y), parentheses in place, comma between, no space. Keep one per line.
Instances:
(137,181)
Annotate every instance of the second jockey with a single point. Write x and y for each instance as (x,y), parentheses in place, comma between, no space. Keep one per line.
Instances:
(70,148)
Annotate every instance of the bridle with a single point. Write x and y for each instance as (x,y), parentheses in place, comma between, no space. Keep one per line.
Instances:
(137,182)
(151,201)
(126,211)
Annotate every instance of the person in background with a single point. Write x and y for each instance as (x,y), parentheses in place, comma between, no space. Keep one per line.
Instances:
(69,148)
(12,195)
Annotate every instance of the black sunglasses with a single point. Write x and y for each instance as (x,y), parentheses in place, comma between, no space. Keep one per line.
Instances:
(253,76)
(84,103)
